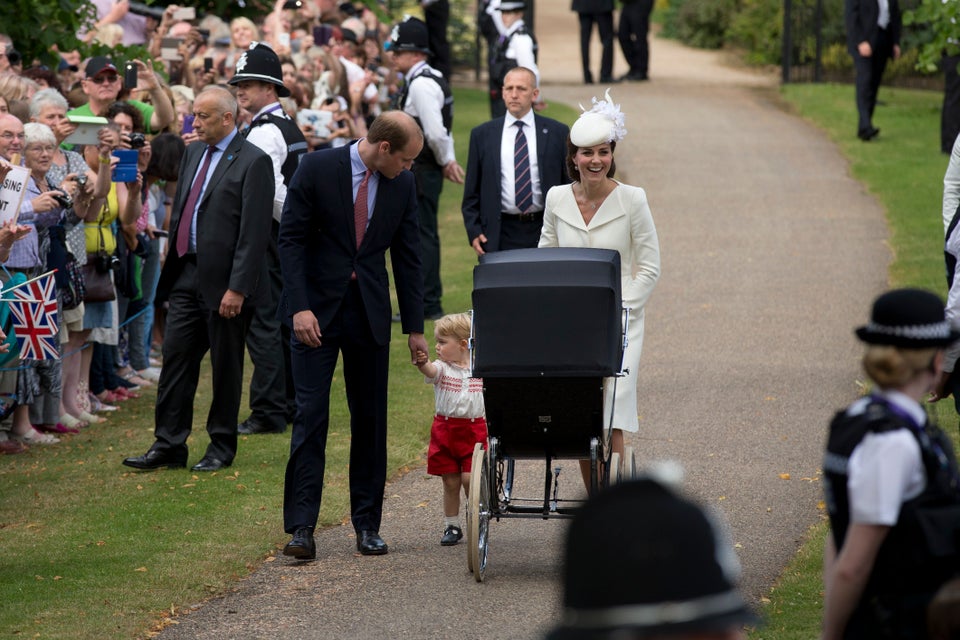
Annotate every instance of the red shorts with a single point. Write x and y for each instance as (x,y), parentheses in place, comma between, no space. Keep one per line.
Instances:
(452,441)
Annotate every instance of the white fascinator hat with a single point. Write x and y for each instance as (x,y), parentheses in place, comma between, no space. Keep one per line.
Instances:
(603,122)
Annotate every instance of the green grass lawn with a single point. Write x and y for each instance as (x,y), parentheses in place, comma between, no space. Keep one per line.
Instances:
(903,169)
(92,549)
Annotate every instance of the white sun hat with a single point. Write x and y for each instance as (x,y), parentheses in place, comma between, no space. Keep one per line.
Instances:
(604,122)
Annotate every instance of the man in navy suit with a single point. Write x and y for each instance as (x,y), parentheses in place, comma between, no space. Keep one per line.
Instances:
(214,279)
(491,213)
(873,37)
(336,299)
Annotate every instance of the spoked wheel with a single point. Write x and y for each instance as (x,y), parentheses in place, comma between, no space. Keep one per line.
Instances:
(594,466)
(479,513)
(475,481)
(629,464)
(613,470)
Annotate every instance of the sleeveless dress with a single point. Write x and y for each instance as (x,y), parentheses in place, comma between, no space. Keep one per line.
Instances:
(624,223)
(102,316)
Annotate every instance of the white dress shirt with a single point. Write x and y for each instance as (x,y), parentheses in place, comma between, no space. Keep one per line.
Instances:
(425,101)
(508,181)
(269,139)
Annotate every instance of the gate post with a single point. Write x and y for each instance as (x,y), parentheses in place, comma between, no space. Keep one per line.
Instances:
(787,41)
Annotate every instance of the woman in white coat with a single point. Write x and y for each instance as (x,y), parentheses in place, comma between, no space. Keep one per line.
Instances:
(597,211)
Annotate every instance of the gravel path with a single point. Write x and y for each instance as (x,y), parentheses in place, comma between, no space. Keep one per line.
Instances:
(771,254)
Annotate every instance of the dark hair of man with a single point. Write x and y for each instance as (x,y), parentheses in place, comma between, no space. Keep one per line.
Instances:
(572,166)
(391,129)
(168,150)
(126,108)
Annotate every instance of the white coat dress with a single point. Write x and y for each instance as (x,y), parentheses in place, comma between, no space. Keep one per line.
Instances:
(623,222)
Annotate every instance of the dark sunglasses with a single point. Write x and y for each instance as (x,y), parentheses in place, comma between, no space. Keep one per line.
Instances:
(108,77)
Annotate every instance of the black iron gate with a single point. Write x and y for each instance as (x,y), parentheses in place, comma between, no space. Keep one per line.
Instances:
(802,41)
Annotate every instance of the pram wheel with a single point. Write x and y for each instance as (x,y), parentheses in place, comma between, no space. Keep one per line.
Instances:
(613,471)
(478,515)
(628,465)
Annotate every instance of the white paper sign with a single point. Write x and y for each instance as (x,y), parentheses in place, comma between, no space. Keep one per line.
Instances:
(11,193)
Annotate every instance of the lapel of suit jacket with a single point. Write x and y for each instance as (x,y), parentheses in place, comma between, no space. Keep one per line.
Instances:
(191,164)
(345,180)
(496,143)
(541,143)
(226,161)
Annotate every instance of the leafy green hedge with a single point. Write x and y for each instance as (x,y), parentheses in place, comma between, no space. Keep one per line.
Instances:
(756,28)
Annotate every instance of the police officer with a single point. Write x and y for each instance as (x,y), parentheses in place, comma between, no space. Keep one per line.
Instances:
(887,473)
(259,82)
(427,98)
(514,47)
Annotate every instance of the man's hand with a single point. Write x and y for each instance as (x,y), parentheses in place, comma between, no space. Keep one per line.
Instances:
(939,387)
(453,172)
(416,343)
(146,79)
(478,243)
(231,304)
(864,49)
(306,328)
(896,52)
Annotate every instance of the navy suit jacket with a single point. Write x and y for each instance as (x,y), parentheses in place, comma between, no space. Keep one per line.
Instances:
(318,247)
(861,22)
(592,6)
(481,189)
(233,223)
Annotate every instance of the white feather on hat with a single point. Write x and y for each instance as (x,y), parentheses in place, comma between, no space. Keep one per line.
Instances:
(604,122)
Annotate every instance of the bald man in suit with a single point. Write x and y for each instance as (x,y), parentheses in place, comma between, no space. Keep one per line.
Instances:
(213,277)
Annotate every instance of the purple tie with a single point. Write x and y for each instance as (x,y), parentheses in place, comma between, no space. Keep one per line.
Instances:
(523,189)
(186,216)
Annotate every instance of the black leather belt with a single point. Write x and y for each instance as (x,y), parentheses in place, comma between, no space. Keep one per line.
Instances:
(529,216)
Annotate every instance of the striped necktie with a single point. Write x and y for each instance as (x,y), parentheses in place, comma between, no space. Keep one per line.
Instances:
(523,191)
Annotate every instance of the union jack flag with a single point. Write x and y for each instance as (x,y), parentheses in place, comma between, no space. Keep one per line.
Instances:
(34,309)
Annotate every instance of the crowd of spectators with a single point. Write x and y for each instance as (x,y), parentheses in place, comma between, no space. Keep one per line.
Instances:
(340,78)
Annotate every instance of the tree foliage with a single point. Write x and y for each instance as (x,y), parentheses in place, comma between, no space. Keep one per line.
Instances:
(41,27)
(942,22)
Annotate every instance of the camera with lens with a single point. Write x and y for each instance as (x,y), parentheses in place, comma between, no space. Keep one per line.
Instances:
(64,200)
(106,262)
(136,140)
(141,9)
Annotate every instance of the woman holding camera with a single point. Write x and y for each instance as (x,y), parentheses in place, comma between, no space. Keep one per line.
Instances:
(49,107)
(39,382)
(100,318)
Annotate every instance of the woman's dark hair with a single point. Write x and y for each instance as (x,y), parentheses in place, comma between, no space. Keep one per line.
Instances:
(168,150)
(572,166)
(126,108)
(43,73)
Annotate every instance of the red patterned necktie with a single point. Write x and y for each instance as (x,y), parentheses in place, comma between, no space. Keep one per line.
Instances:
(186,216)
(360,208)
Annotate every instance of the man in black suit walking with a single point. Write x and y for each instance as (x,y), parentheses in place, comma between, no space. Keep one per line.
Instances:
(213,278)
(600,12)
(345,208)
(633,32)
(494,216)
(873,37)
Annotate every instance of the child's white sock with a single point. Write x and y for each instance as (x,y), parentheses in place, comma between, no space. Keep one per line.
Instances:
(451,521)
